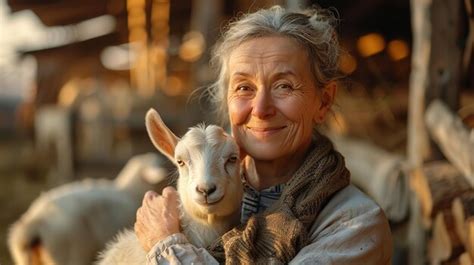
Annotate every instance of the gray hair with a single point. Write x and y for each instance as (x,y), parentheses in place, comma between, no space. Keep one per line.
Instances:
(314,29)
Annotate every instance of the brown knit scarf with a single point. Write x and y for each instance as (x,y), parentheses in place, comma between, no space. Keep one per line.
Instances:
(278,234)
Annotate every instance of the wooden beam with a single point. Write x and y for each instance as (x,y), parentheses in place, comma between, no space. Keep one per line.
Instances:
(452,137)
(381,174)
(436,186)
(56,13)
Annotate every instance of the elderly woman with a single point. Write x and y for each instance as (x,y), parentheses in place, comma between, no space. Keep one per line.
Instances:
(278,75)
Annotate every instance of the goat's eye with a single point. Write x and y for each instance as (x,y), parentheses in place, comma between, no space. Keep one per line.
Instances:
(232,159)
(180,162)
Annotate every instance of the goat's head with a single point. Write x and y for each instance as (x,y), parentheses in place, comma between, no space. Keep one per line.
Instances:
(209,167)
(141,173)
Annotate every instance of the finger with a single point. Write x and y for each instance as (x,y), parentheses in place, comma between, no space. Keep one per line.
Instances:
(135,227)
(138,214)
(169,192)
(149,195)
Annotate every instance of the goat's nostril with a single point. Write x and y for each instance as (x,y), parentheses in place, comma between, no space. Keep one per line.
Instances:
(199,189)
(211,189)
(206,190)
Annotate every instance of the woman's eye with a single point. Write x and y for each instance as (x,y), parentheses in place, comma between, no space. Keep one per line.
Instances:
(282,90)
(243,90)
(285,87)
(180,162)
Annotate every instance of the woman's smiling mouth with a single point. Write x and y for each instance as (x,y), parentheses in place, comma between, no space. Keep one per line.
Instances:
(265,131)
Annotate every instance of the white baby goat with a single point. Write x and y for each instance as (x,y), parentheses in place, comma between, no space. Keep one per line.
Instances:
(209,186)
(70,224)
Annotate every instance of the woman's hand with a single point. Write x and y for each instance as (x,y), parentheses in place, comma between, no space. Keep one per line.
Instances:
(157,218)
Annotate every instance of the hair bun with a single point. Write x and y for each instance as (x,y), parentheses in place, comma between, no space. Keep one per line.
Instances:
(319,15)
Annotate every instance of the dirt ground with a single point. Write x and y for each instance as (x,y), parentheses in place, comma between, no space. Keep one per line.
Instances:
(17,187)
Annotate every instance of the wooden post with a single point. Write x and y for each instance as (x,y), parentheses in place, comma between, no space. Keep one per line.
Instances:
(470,36)
(158,57)
(419,82)
(417,137)
(205,19)
(436,67)
(436,63)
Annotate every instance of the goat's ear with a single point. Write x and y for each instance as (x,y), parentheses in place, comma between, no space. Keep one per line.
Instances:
(161,136)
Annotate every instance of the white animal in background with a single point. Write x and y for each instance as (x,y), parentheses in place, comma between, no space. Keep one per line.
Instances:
(53,128)
(70,224)
(209,186)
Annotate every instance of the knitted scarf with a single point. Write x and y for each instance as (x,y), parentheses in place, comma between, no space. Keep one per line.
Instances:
(279,233)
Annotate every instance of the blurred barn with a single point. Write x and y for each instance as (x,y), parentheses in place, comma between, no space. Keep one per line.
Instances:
(103,63)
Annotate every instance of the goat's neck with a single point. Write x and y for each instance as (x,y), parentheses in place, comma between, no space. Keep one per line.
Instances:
(205,230)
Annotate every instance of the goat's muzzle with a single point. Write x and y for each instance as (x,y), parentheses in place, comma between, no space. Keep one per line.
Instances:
(206,190)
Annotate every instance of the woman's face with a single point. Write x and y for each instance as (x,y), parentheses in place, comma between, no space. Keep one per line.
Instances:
(272,99)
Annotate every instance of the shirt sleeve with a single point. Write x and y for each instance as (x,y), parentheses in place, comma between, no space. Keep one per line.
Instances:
(351,229)
(176,249)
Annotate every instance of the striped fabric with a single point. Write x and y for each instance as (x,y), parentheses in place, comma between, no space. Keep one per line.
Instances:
(257,201)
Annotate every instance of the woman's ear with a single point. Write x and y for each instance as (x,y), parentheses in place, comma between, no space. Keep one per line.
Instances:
(328,94)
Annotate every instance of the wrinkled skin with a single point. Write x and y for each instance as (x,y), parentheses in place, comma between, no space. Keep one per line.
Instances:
(158,213)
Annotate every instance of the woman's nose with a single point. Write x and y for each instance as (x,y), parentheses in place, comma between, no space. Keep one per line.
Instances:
(263,106)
